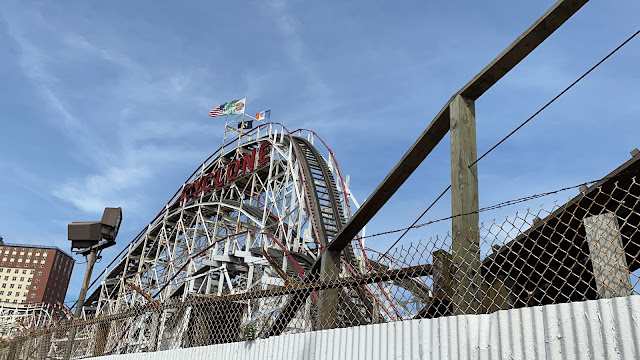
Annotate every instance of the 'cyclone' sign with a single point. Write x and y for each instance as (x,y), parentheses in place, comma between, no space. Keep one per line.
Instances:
(224,174)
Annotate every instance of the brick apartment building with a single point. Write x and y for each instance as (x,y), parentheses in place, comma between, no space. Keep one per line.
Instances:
(33,274)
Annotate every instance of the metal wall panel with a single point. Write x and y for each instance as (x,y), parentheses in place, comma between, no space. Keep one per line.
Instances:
(602,329)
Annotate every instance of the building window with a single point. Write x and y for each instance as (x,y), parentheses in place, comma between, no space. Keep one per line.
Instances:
(16,271)
(6,278)
(11,286)
(29,279)
(33,295)
(37,280)
(24,271)
(4,286)
(41,265)
(10,263)
(14,278)
(39,272)
(35,287)
(22,278)
(1,270)
(17,293)
(31,272)
(1,292)
(27,287)
(9,293)
(19,286)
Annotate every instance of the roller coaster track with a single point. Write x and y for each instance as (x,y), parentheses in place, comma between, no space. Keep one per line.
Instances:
(207,241)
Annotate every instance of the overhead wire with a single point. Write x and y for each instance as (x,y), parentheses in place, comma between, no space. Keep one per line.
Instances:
(413,225)
(556,97)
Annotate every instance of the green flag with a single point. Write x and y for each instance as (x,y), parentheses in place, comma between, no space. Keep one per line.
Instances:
(234,107)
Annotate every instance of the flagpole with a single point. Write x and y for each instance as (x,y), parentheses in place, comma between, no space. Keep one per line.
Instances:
(224,139)
(244,110)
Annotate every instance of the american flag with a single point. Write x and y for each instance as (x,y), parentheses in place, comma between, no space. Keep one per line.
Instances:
(216,111)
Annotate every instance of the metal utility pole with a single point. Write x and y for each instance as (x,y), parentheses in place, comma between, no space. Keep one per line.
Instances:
(85,283)
(80,304)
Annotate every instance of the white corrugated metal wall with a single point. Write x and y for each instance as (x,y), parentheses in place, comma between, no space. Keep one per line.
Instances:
(602,329)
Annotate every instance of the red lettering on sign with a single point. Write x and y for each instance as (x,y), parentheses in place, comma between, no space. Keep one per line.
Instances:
(232,169)
(265,150)
(216,179)
(196,188)
(219,179)
(249,162)
(186,194)
(206,183)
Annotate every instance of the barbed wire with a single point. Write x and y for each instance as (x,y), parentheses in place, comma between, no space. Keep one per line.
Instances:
(489,208)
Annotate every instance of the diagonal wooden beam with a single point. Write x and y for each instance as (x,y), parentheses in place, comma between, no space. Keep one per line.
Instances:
(549,22)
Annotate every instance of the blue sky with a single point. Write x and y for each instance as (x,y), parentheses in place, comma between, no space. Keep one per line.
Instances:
(105,103)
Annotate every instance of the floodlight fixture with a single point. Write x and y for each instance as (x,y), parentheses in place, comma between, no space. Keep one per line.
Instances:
(111,219)
(86,235)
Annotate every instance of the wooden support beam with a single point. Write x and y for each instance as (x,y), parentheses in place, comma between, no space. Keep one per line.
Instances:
(557,15)
(442,277)
(329,270)
(538,32)
(608,257)
(66,310)
(143,293)
(465,243)
(101,339)
(276,266)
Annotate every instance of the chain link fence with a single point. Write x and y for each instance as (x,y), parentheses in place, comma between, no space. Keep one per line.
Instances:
(588,248)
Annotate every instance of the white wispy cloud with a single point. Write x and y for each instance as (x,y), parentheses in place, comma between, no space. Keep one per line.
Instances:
(94,192)
(294,45)
(120,151)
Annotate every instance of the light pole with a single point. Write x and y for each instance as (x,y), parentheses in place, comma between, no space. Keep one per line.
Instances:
(90,238)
